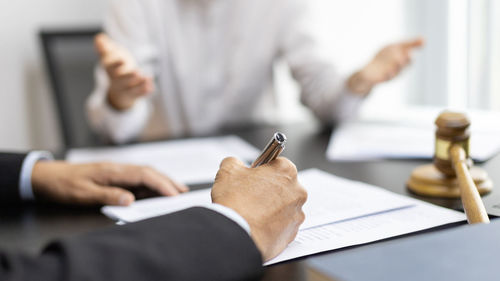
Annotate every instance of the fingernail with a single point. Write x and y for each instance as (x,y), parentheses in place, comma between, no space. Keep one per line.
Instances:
(126,199)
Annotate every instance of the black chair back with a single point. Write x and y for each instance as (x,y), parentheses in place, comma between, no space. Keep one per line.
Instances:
(70,59)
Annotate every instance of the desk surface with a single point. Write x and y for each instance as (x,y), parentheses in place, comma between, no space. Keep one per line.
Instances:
(29,228)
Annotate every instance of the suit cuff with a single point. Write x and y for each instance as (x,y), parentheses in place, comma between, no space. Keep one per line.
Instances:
(25,188)
(231,214)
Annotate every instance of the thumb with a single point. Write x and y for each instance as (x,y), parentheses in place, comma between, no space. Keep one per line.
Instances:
(109,195)
(103,44)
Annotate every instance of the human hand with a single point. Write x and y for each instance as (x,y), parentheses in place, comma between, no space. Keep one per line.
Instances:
(268,197)
(127,83)
(98,183)
(386,65)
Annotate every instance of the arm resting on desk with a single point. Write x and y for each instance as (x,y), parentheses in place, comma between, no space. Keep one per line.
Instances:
(15,175)
(194,244)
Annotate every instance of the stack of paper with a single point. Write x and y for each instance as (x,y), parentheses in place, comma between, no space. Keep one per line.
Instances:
(191,161)
(339,213)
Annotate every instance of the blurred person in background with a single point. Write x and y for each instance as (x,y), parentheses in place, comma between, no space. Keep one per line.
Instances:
(173,68)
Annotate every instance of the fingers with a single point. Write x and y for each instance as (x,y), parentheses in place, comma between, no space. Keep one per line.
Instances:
(95,194)
(126,89)
(404,56)
(161,183)
(393,60)
(301,199)
(132,84)
(115,58)
(231,162)
(103,44)
(288,170)
(113,69)
(299,218)
(386,64)
(116,67)
(227,167)
(133,176)
(145,86)
(126,82)
(415,43)
(287,167)
(107,50)
(283,165)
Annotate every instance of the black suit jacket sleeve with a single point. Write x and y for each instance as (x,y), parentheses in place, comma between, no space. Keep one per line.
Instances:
(10,170)
(195,244)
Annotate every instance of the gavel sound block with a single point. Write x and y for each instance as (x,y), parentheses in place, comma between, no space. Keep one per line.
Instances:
(452,174)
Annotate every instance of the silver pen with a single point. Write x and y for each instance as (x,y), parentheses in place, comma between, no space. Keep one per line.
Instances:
(273,149)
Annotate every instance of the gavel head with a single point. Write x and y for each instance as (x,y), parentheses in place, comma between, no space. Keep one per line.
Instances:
(452,128)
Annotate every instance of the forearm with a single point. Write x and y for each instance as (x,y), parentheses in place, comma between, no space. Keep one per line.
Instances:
(329,96)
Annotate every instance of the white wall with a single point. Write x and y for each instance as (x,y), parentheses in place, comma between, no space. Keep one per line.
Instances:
(27,118)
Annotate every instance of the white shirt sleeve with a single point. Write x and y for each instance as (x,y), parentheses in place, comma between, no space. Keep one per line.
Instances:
(323,88)
(127,25)
(231,214)
(25,187)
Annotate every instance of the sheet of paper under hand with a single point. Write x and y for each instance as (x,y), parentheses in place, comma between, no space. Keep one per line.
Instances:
(330,199)
(149,208)
(339,213)
(191,161)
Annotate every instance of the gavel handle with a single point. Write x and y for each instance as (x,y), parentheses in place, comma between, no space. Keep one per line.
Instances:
(471,200)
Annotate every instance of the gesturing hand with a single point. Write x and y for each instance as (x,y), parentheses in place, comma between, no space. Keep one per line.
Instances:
(97,184)
(386,65)
(127,83)
(268,197)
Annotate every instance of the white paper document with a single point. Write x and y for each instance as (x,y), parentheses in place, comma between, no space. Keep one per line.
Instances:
(372,140)
(330,199)
(339,213)
(191,161)
(333,199)
(149,208)
(367,229)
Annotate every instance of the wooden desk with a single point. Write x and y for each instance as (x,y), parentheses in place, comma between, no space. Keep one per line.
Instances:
(29,228)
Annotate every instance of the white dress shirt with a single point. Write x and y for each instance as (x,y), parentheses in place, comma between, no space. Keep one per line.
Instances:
(213,65)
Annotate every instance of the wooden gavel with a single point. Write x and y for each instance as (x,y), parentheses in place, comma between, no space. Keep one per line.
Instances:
(452,173)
